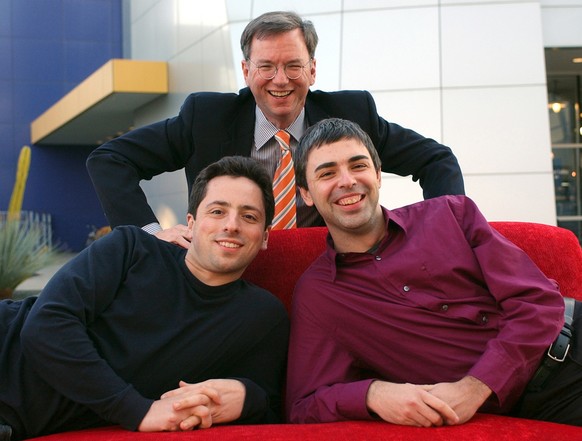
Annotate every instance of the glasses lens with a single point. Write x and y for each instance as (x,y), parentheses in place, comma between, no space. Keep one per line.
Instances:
(267,72)
(293,71)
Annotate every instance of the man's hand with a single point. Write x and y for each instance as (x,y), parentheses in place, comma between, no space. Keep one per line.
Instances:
(228,397)
(178,234)
(409,405)
(464,396)
(165,416)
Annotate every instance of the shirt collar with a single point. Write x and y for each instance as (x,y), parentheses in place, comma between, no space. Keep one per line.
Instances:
(265,130)
(393,221)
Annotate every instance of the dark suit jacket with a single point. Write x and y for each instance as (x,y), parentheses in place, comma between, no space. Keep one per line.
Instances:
(211,125)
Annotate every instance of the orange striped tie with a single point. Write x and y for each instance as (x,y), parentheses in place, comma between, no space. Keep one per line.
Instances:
(284,186)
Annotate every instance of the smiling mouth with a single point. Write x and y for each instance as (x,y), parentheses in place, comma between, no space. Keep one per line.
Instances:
(229,245)
(350,200)
(281,94)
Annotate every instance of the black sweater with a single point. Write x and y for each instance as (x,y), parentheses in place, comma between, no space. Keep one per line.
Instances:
(124,322)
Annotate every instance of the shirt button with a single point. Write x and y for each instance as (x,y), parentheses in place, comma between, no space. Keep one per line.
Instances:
(484,319)
(406,288)
(445,307)
(378,258)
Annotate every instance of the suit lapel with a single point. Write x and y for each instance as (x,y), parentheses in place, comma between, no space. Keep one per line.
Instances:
(242,129)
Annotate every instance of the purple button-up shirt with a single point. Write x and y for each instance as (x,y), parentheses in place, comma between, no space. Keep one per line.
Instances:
(442,297)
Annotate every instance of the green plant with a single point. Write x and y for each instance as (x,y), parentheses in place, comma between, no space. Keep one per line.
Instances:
(24,250)
(25,245)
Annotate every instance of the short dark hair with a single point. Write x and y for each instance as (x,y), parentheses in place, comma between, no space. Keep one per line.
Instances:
(325,132)
(278,22)
(235,166)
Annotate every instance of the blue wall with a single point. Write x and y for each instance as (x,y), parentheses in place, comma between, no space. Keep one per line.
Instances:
(47,47)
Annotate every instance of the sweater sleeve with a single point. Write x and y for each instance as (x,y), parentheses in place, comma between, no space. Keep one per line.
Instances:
(55,337)
(117,167)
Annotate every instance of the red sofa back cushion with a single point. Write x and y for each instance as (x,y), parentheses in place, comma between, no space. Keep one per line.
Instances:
(555,250)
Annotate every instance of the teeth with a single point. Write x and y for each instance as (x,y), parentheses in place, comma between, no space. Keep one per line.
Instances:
(279,94)
(229,244)
(349,201)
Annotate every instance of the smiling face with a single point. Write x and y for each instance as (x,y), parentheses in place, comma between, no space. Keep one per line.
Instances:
(280,99)
(344,186)
(228,232)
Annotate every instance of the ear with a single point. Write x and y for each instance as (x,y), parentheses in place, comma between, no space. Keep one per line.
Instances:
(245,71)
(379,177)
(190,220)
(265,238)
(312,72)
(306,196)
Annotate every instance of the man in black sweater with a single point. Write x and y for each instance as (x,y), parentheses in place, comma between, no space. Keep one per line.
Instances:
(132,317)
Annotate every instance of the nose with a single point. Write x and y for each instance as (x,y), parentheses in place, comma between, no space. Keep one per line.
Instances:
(280,77)
(346,179)
(232,222)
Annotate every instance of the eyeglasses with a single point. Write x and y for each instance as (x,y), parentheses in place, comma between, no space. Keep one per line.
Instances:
(269,71)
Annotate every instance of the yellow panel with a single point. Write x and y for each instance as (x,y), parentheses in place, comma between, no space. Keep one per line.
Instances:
(140,76)
(116,77)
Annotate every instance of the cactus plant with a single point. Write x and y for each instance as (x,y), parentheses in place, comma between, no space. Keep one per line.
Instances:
(20,183)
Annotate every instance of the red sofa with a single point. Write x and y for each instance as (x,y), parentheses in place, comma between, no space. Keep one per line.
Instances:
(555,250)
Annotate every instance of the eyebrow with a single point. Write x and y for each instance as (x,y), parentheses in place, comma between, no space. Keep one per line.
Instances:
(228,204)
(333,163)
(265,61)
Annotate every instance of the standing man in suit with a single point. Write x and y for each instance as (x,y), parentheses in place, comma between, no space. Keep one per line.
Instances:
(279,67)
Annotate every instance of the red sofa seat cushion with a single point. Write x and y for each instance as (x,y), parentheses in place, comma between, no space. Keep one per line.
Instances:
(480,428)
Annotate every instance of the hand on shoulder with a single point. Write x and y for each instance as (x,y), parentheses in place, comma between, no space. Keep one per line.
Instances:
(178,234)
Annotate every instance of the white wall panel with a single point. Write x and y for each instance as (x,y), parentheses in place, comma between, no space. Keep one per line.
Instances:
(498,130)
(154,34)
(391,49)
(514,197)
(350,5)
(492,45)
(483,2)
(561,26)
(419,110)
(398,191)
(303,7)
(328,53)
(239,10)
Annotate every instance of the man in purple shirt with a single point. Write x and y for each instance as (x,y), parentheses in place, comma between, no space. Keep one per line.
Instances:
(420,316)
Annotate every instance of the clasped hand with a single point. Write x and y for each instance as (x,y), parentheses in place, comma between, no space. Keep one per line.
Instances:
(197,405)
(427,405)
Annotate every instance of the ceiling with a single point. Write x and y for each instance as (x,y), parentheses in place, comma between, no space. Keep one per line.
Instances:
(559,61)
